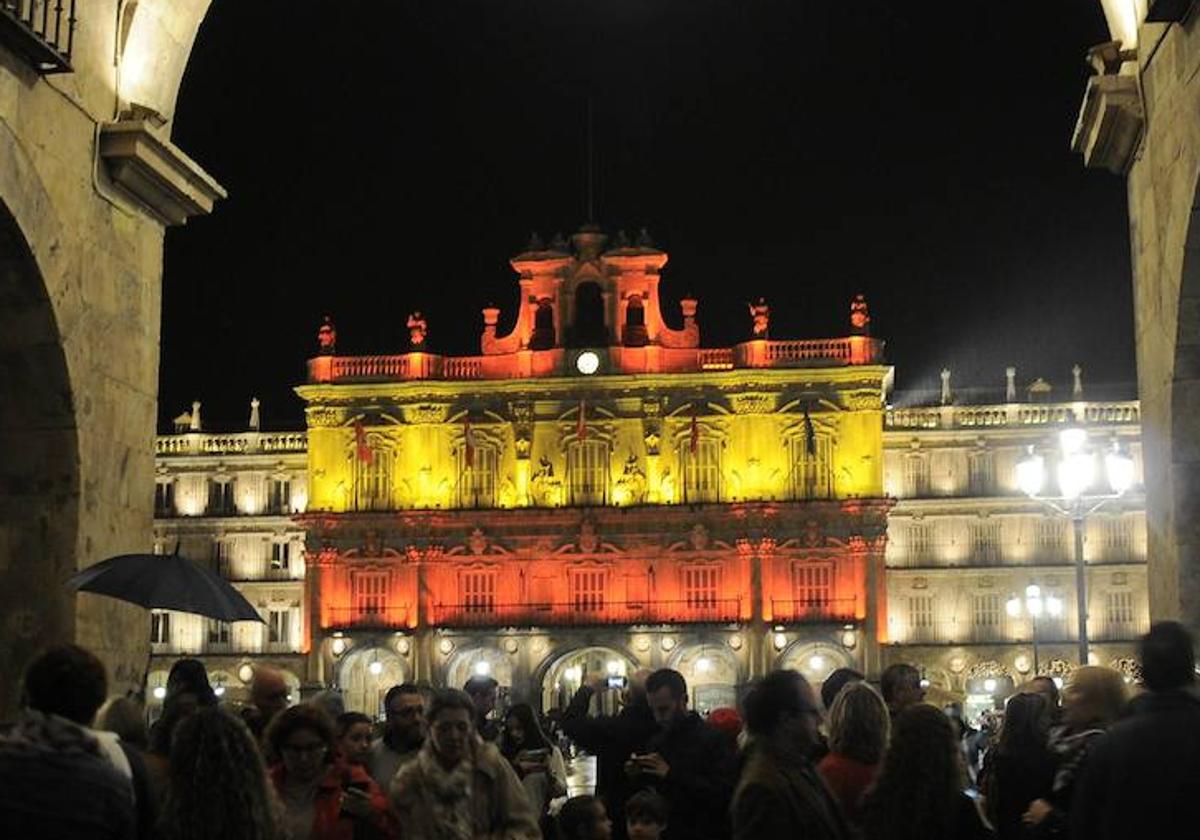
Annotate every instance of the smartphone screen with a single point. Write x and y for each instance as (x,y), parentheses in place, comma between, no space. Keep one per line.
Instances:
(618,682)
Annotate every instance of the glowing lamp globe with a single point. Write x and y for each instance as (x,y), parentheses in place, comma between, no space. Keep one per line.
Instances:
(1031,473)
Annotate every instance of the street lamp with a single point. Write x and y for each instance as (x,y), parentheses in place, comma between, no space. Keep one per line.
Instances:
(1035,606)
(1076,475)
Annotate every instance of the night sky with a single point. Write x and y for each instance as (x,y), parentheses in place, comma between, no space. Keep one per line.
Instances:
(388,156)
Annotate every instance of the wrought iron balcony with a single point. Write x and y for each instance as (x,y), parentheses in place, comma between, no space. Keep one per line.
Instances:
(384,617)
(41,31)
(592,612)
(812,610)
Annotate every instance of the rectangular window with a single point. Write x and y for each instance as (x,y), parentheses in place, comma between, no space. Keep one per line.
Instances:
(587,589)
(812,586)
(985,542)
(920,615)
(587,472)
(279,627)
(160,627)
(1118,538)
(1119,608)
(478,591)
(701,470)
(920,542)
(1050,538)
(217,631)
(916,476)
(985,611)
(701,584)
(980,473)
(373,479)
(812,467)
(220,559)
(164,498)
(279,498)
(279,556)
(369,592)
(220,498)
(477,480)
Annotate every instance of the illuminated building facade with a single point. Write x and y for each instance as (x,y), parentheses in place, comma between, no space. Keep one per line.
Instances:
(964,541)
(595,492)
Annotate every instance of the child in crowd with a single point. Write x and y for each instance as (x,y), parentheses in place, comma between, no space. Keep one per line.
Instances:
(645,816)
(354,732)
(584,818)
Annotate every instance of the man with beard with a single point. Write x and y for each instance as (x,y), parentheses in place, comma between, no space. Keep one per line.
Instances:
(403,734)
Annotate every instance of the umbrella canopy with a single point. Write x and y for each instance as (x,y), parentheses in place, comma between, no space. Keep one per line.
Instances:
(165,582)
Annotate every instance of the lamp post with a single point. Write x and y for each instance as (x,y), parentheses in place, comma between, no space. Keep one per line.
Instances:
(1034,605)
(1076,498)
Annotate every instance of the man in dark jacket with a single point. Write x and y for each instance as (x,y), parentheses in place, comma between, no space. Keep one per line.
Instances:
(780,793)
(688,761)
(1143,776)
(56,781)
(612,740)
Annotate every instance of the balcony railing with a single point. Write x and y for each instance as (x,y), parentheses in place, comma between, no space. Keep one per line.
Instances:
(721,610)
(1013,415)
(812,610)
(40,31)
(199,443)
(387,617)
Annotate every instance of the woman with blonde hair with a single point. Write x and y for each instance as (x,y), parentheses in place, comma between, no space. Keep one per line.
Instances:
(859,725)
(1092,701)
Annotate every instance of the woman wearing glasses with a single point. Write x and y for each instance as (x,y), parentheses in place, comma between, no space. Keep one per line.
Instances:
(323,797)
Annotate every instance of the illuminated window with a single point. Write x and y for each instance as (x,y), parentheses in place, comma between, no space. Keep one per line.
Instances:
(279,496)
(812,467)
(373,479)
(920,615)
(985,611)
(477,481)
(980,473)
(279,627)
(369,593)
(812,586)
(985,542)
(588,472)
(478,591)
(916,476)
(217,631)
(279,556)
(1050,537)
(701,470)
(587,589)
(920,541)
(164,498)
(160,627)
(1118,538)
(1119,610)
(700,587)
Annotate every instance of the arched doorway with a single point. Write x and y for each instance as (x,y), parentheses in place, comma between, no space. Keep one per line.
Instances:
(365,676)
(543,336)
(711,671)
(39,467)
(634,334)
(589,329)
(815,660)
(565,673)
(480,662)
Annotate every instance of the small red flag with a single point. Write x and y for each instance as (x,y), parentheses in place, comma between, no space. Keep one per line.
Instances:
(695,436)
(581,426)
(469,444)
(360,443)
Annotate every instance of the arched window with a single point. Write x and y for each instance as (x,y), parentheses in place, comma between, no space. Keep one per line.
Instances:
(634,334)
(543,337)
(589,329)
(588,472)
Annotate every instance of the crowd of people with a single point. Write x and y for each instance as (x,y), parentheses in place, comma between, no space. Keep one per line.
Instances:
(842,761)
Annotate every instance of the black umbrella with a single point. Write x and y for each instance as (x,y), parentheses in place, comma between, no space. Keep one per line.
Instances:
(166,582)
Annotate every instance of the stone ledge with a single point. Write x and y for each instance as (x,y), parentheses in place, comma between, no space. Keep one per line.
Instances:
(168,184)
(1110,123)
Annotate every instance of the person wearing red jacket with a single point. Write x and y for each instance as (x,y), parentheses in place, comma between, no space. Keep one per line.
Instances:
(323,797)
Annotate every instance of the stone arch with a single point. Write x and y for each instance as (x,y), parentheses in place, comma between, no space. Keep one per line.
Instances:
(589,327)
(158,38)
(483,660)
(39,447)
(712,672)
(364,676)
(816,660)
(558,680)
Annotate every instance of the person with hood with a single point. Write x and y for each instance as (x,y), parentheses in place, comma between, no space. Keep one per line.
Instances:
(459,787)
(58,779)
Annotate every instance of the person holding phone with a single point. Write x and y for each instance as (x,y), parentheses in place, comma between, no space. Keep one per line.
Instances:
(538,763)
(323,797)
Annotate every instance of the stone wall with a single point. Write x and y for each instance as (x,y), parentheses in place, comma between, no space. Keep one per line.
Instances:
(1165,241)
(80,302)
